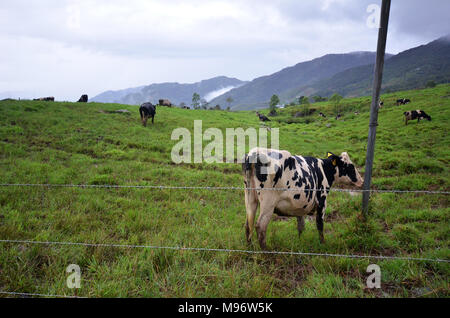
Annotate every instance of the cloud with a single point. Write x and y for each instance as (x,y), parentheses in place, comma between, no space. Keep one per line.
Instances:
(214,94)
(71,47)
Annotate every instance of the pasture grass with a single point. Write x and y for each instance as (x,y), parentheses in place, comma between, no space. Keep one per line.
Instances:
(77,143)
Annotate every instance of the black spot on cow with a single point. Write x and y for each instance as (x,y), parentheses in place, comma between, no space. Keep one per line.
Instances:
(295,176)
(297,197)
(261,185)
(278,174)
(289,163)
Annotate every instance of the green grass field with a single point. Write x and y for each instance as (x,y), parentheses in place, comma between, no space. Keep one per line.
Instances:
(77,143)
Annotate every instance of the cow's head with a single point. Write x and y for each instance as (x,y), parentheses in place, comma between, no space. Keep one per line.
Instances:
(346,171)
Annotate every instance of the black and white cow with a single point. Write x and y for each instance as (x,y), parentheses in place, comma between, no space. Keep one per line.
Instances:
(403,101)
(147,110)
(284,184)
(415,114)
(322,115)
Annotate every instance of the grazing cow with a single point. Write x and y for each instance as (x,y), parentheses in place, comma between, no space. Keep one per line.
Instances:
(322,115)
(380,104)
(83,99)
(268,171)
(403,101)
(262,117)
(415,114)
(356,113)
(147,110)
(338,116)
(165,102)
(46,99)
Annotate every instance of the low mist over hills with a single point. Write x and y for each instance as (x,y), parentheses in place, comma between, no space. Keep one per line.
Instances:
(175,92)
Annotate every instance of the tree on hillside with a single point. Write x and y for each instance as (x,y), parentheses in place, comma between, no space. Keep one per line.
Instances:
(318,98)
(274,101)
(336,100)
(196,101)
(301,100)
(430,84)
(229,100)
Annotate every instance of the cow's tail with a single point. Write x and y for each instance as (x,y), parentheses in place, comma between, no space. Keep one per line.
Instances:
(141,112)
(247,168)
(251,203)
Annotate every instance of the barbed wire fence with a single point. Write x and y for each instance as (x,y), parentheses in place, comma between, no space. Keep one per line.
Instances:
(222,250)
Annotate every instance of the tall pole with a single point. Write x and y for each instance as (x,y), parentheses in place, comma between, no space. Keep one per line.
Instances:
(378,75)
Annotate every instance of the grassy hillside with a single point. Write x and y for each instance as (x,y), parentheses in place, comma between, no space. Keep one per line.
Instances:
(45,142)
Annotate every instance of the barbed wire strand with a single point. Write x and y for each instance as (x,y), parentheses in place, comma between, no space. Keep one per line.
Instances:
(50,185)
(181,248)
(37,295)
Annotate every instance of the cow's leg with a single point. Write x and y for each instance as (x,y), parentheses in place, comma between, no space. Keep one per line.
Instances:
(406,121)
(266,209)
(153,117)
(320,215)
(300,224)
(144,120)
(251,205)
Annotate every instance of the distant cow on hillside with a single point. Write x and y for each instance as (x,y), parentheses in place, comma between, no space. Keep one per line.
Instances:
(416,114)
(403,101)
(83,99)
(322,115)
(262,117)
(46,99)
(380,104)
(165,102)
(147,110)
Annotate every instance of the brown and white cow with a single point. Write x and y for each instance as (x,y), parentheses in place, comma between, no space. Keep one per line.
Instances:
(286,185)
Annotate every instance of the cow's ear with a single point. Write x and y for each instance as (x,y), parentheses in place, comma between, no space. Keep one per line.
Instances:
(333,158)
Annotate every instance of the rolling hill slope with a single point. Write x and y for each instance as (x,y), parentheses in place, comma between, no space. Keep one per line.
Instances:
(257,93)
(175,92)
(409,69)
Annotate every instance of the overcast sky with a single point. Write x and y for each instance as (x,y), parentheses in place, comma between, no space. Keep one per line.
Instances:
(68,48)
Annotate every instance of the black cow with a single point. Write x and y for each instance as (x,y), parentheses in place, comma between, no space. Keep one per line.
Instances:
(415,114)
(338,116)
(147,110)
(403,101)
(322,115)
(307,181)
(262,117)
(83,99)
